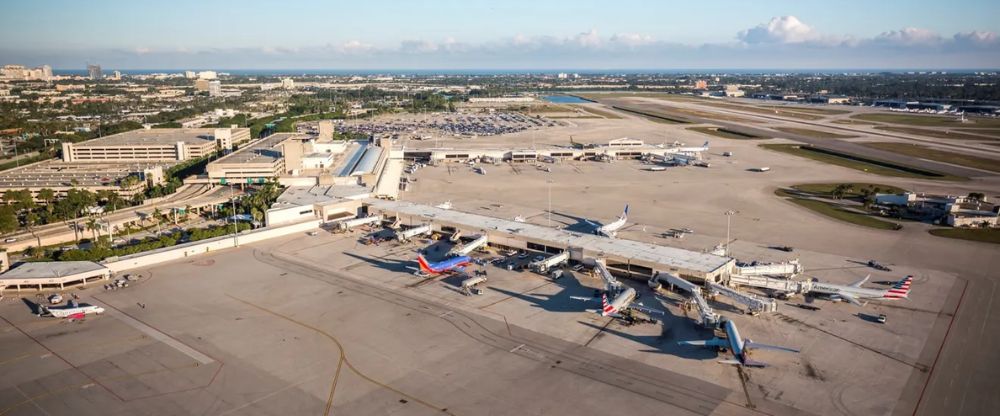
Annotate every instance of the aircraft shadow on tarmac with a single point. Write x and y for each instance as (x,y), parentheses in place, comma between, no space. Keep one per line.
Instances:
(665,342)
(577,224)
(402,266)
(35,308)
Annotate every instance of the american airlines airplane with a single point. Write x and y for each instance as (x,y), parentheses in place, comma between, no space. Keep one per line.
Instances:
(72,310)
(622,302)
(609,230)
(854,293)
(453,264)
(740,347)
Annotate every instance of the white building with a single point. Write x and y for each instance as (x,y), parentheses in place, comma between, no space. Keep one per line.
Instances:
(214,88)
(287,83)
(189,74)
(208,75)
(22,73)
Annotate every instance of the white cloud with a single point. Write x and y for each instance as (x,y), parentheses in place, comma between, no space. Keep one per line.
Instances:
(783,29)
(418,46)
(142,50)
(588,39)
(354,46)
(976,38)
(909,36)
(632,39)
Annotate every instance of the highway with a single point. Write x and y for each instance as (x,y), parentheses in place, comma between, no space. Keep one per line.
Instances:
(62,232)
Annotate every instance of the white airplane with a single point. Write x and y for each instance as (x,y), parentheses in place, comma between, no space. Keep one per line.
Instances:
(740,347)
(854,293)
(72,310)
(623,301)
(610,229)
(681,149)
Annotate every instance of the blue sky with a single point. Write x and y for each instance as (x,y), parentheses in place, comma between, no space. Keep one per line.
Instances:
(511,34)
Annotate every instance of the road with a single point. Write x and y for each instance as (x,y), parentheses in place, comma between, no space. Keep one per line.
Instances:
(62,232)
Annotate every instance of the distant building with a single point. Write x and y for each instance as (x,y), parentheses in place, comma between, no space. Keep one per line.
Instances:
(189,74)
(22,73)
(956,211)
(501,99)
(201,85)
(562,75)
(154,145)
(830,99)
(733,91)
(117,75)
(94,72)
(700,84)
(287,83)
(208,75)
(214,88)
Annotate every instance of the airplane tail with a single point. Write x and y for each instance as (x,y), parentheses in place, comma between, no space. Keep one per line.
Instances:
(606,308)
(625,213)
(424,265)
(705,145)
(901,289)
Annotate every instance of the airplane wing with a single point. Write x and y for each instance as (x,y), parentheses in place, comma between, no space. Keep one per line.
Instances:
(853,300)
(584,298)
(594,224)
(860,282)
(714,342)
(754,345)
(730,362)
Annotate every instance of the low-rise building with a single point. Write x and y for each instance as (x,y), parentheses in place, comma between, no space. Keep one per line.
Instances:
(956,211)
(155,145)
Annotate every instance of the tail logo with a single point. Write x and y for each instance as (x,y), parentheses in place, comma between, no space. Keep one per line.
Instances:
(901,289)
(424,267)
(607,308)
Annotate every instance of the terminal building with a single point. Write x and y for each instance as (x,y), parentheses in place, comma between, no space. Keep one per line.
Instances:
(55,275)
(155,145)
(625,258)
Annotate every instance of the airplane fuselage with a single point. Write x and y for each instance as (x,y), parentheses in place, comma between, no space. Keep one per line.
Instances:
(620,302)
(443,266)
(858,292)
(735,341)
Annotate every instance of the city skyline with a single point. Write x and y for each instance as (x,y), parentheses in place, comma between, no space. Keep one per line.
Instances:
(515,35)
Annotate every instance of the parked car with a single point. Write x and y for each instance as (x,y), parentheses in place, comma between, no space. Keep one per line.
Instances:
(881,318)
(10,240)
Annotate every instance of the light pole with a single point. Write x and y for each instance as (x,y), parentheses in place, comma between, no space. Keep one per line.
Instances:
(232,198)
(729,216)
(550,203)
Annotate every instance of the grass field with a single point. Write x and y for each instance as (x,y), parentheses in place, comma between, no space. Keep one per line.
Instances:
(826,189)
(838,213)
(940,134)
(590,108)
(931,153)
(989,235)
(818,134)
(927,120)
(860,163)
(822,111)
(765,111)
(654,115)
(725,133)
(984,132)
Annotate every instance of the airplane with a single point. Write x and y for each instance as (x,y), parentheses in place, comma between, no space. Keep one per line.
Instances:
(453,264)
(72,310)
(702,148)
(740,347)
(610,229)
(854,293)
(623,302)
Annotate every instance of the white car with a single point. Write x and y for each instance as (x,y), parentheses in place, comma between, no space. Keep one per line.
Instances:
(10,240)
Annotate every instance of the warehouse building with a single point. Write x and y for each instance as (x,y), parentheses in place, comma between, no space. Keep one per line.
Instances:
(155,145)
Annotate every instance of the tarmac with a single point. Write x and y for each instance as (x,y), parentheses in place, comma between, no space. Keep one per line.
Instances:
(326,325)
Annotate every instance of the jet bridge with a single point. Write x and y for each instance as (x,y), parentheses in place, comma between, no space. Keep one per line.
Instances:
(406,235)
(456,236)
(611,284)
(786,269)
(346,225)
(785,286)
(543,266)
(707,317)
(754,304)
(464,250)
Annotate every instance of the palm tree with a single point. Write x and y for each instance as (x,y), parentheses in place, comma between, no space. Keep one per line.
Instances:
(93,227)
